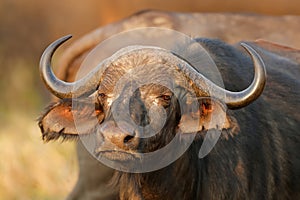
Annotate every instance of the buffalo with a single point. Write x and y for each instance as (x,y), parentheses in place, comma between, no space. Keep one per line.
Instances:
(256,156)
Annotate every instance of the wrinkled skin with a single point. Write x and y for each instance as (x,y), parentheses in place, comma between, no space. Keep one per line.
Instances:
(264,163)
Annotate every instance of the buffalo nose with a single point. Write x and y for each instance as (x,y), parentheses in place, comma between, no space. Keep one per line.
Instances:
(122,137)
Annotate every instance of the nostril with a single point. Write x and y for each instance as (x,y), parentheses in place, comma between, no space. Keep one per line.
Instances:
(128,138)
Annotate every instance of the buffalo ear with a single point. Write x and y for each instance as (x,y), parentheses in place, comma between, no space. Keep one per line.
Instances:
(210,114)
(58,120)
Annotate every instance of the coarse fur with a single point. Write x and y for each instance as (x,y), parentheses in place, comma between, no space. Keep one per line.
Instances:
(254,164)
(257,157)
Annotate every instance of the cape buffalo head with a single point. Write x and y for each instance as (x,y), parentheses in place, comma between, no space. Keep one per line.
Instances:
(141,97)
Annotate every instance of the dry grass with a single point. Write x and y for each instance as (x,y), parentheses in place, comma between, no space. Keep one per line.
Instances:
(30,169)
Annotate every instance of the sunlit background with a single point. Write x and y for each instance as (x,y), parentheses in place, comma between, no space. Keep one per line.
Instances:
(29,168)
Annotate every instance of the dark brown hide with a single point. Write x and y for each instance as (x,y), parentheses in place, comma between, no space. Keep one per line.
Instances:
(257,159)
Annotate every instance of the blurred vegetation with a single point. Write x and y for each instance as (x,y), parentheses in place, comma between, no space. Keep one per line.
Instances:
(30,169)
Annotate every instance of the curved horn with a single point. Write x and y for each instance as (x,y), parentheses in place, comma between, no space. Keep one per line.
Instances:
(233,100)
(59,88)
(240,99)
(90,82)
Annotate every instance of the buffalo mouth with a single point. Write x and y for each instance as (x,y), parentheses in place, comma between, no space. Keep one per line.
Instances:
(117,155)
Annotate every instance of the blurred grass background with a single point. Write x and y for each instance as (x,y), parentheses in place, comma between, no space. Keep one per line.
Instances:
(30,169)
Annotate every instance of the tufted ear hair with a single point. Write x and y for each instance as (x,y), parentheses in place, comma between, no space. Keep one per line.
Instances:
(209,114)
(58,120)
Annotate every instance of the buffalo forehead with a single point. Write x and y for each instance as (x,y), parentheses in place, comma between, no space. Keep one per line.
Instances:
(144,69)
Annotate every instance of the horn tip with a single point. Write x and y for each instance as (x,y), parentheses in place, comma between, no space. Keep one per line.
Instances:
(245,45)
(65,38)
(62,40)
(68,36)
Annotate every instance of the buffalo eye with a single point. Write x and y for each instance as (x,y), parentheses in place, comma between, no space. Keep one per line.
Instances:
(165,97)
(165,100)
(101,95)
